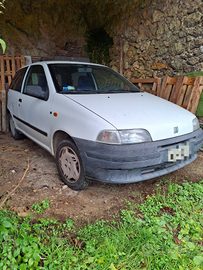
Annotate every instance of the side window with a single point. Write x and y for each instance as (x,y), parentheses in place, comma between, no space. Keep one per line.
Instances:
(17,81)
(36,83)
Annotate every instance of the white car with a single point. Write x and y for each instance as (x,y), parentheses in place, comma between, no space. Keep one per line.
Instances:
(98,125)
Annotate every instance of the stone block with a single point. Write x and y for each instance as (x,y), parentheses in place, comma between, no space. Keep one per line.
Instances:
(157,16)
(193,61)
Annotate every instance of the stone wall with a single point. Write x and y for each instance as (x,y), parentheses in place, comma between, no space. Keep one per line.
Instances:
(161,38)
(42,28)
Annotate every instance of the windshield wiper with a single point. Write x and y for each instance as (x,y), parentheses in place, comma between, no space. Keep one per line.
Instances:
(107,91)
(119,90)
(78,92)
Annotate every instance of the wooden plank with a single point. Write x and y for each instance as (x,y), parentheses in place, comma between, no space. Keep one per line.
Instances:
(190,80)
(121,56)
(181,95)
(3,96)
(158,88)
(23,62)
(8,68)
(166,87)
(167,91)
(191,102)
(142,80)
(196,100)
(172,80)
(2,73)
(0,115)
(163,87)
(187,81)
(154,87)
(17,58)
(139,85)
(177,89)
(187,96)
(13,67)
(156,84)
(196,96)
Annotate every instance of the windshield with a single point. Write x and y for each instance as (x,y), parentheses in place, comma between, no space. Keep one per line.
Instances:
(85,79)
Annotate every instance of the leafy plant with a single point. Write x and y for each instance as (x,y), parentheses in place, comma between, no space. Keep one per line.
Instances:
(2,42)
(41,206)
(3,45)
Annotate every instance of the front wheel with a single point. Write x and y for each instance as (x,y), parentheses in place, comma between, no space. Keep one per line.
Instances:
(69,165)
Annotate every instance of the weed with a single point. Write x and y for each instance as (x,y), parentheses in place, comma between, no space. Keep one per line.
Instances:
(165,231)
(41,206)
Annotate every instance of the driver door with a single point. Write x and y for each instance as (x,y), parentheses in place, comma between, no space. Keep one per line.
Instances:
(35,106)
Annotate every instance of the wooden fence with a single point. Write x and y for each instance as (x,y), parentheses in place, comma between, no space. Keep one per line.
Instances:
(182,90)
(9,64)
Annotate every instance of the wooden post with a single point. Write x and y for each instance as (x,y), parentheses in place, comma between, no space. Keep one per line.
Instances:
(23,62)
(195,94)
(0,114)
(4,120)
(8,67)
(121,56)
(2,73)
(13,66)
(17,57)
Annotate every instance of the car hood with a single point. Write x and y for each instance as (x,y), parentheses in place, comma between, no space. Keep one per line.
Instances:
(139,110)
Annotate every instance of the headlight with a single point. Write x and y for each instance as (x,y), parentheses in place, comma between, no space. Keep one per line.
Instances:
(107,136)
(127,136)
(134,136)
(195,124)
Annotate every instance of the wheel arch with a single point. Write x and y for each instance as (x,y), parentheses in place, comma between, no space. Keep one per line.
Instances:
(58,137)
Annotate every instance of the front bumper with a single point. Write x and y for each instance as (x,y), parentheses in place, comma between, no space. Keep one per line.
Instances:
(136,162)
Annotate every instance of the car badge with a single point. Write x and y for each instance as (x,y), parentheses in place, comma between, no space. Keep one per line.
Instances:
(175,129)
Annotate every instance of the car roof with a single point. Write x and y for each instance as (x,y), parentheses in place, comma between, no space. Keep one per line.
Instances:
(64,62)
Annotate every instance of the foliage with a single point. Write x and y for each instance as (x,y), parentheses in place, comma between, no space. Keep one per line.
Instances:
(98,46)
(3,45)
(165,231)
(40,207)
(2,42)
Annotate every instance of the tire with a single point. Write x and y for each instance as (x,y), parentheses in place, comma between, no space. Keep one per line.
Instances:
(69,165)
(14,132)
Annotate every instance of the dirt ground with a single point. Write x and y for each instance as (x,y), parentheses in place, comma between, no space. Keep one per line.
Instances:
(98,201)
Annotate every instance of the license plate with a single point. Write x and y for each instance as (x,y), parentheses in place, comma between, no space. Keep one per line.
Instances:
(178,153)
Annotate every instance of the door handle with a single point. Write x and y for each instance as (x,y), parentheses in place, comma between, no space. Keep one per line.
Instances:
(20,100)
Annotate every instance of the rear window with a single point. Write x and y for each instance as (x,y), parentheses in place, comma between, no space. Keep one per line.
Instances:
(17,81)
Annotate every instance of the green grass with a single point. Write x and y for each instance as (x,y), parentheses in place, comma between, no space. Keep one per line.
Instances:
(39,208)
(194,74)
(164,231)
